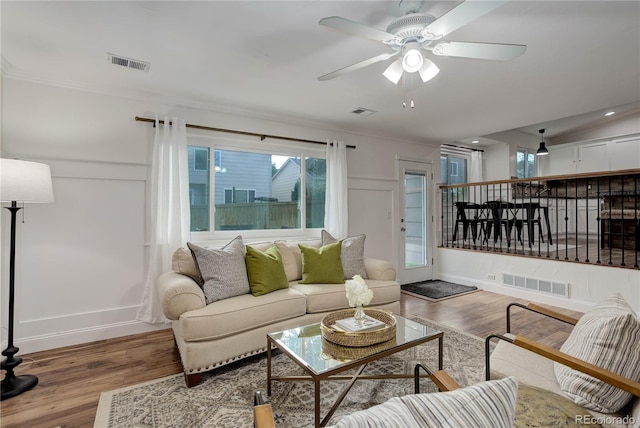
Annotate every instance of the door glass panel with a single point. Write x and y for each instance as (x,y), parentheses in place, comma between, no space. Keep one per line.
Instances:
(415,220)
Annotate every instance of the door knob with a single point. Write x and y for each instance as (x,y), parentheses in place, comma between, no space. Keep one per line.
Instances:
(403,229)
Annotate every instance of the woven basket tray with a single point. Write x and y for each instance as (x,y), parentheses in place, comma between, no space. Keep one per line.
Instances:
(340,352)
(358,339)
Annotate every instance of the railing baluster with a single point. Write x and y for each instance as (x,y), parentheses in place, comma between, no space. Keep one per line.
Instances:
(577,218)
(587,188)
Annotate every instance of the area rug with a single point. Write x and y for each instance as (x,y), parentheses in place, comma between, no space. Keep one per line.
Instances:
(225,397)
(436,290)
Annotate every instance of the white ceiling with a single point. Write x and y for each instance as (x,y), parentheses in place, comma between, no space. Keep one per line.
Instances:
(582,57)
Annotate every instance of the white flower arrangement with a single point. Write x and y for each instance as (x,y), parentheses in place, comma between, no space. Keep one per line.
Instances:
(358,292)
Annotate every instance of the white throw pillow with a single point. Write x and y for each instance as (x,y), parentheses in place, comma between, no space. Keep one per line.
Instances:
(608,336)
(223,271)
(486,404)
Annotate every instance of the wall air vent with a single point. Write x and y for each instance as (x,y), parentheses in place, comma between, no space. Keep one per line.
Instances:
(538,285)
(363,111)
(128,62)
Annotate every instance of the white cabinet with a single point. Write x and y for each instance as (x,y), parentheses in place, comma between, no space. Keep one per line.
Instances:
(626,153)
(581,216)
(562,160)
(609,155)
(593,157)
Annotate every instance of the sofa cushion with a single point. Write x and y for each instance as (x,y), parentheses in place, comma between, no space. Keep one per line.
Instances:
(351,255)
(183,263)
(223,270)
(292,256)
(331,297)
(265,270)
(486,404)
(607,336)
(322,265)
(241,313)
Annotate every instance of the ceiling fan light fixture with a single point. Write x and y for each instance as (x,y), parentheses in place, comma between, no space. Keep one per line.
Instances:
(394,71)
(412,59)
(428,71)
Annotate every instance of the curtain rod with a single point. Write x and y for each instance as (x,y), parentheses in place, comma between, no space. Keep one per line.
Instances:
(231,131)
(461,147)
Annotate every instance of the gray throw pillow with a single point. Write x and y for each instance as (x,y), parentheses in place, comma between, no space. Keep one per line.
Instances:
(352,255)
(223,270)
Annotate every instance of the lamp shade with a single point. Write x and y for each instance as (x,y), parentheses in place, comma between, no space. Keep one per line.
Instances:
(25,181)
(542,150)
(394,71)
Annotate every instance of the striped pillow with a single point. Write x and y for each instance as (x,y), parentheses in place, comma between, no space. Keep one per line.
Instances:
(608,336)
(486,404)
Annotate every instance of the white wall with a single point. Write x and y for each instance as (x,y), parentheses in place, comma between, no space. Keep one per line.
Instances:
(588,284)
(81,260)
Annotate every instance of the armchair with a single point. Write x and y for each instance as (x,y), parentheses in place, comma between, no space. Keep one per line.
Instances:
(596,368)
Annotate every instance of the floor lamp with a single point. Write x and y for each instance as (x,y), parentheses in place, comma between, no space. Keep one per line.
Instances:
(26,182)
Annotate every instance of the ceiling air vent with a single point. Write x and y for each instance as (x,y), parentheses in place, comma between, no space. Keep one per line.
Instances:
(363,111)
(128,62)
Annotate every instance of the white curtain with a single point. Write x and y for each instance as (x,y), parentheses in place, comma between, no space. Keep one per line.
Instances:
(475,174)
(475,167)
(336,210)
(169,209)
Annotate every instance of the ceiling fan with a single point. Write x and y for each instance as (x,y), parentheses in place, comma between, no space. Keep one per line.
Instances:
(414,33)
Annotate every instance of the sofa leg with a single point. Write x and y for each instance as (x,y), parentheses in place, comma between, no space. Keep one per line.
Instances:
(192,379)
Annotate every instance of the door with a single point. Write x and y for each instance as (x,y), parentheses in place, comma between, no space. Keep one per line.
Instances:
(416,217)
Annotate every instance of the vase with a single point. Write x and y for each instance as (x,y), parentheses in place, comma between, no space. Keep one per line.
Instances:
(359,314)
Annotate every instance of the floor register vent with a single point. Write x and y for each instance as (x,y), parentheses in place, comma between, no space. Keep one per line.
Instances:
(122,61)
(555,288)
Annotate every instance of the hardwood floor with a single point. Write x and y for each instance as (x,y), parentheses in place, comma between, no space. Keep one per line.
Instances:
(71,379)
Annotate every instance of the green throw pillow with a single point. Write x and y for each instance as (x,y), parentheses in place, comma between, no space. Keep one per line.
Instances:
(322,265)
(265,271)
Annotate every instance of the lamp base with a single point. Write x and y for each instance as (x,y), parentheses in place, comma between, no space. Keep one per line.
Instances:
(16,385)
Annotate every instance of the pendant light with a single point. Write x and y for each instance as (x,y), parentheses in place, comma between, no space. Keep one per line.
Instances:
(542,150)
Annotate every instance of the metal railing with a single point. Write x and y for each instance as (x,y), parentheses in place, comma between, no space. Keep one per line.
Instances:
(589,218)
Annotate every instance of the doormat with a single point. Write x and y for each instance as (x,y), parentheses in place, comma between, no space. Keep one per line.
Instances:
(436,291)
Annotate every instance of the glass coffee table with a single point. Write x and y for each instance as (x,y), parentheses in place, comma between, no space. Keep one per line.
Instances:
(322,360)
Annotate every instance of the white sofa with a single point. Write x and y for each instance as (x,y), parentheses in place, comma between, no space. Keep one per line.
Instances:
(212,335)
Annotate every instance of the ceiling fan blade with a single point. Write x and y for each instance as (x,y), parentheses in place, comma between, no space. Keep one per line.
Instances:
(356,28)
(459,16)
(495,51)
(358,65)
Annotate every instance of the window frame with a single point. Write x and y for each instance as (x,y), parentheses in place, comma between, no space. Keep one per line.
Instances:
(277,148)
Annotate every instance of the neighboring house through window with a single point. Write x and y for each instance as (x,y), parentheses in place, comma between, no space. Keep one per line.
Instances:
(251,190)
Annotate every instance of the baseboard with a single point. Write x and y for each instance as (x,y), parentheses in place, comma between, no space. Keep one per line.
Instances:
(76,337)
(573,304)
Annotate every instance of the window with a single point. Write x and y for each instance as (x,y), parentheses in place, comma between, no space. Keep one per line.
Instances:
(201,159)
(239,196)
(525,164)
(256,191)
(453,170)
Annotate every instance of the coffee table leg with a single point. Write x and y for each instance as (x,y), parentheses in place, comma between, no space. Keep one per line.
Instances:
(316,402)
(440,352)
(268,367)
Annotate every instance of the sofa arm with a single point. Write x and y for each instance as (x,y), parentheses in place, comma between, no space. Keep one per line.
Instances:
(178,294)
(379,269)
